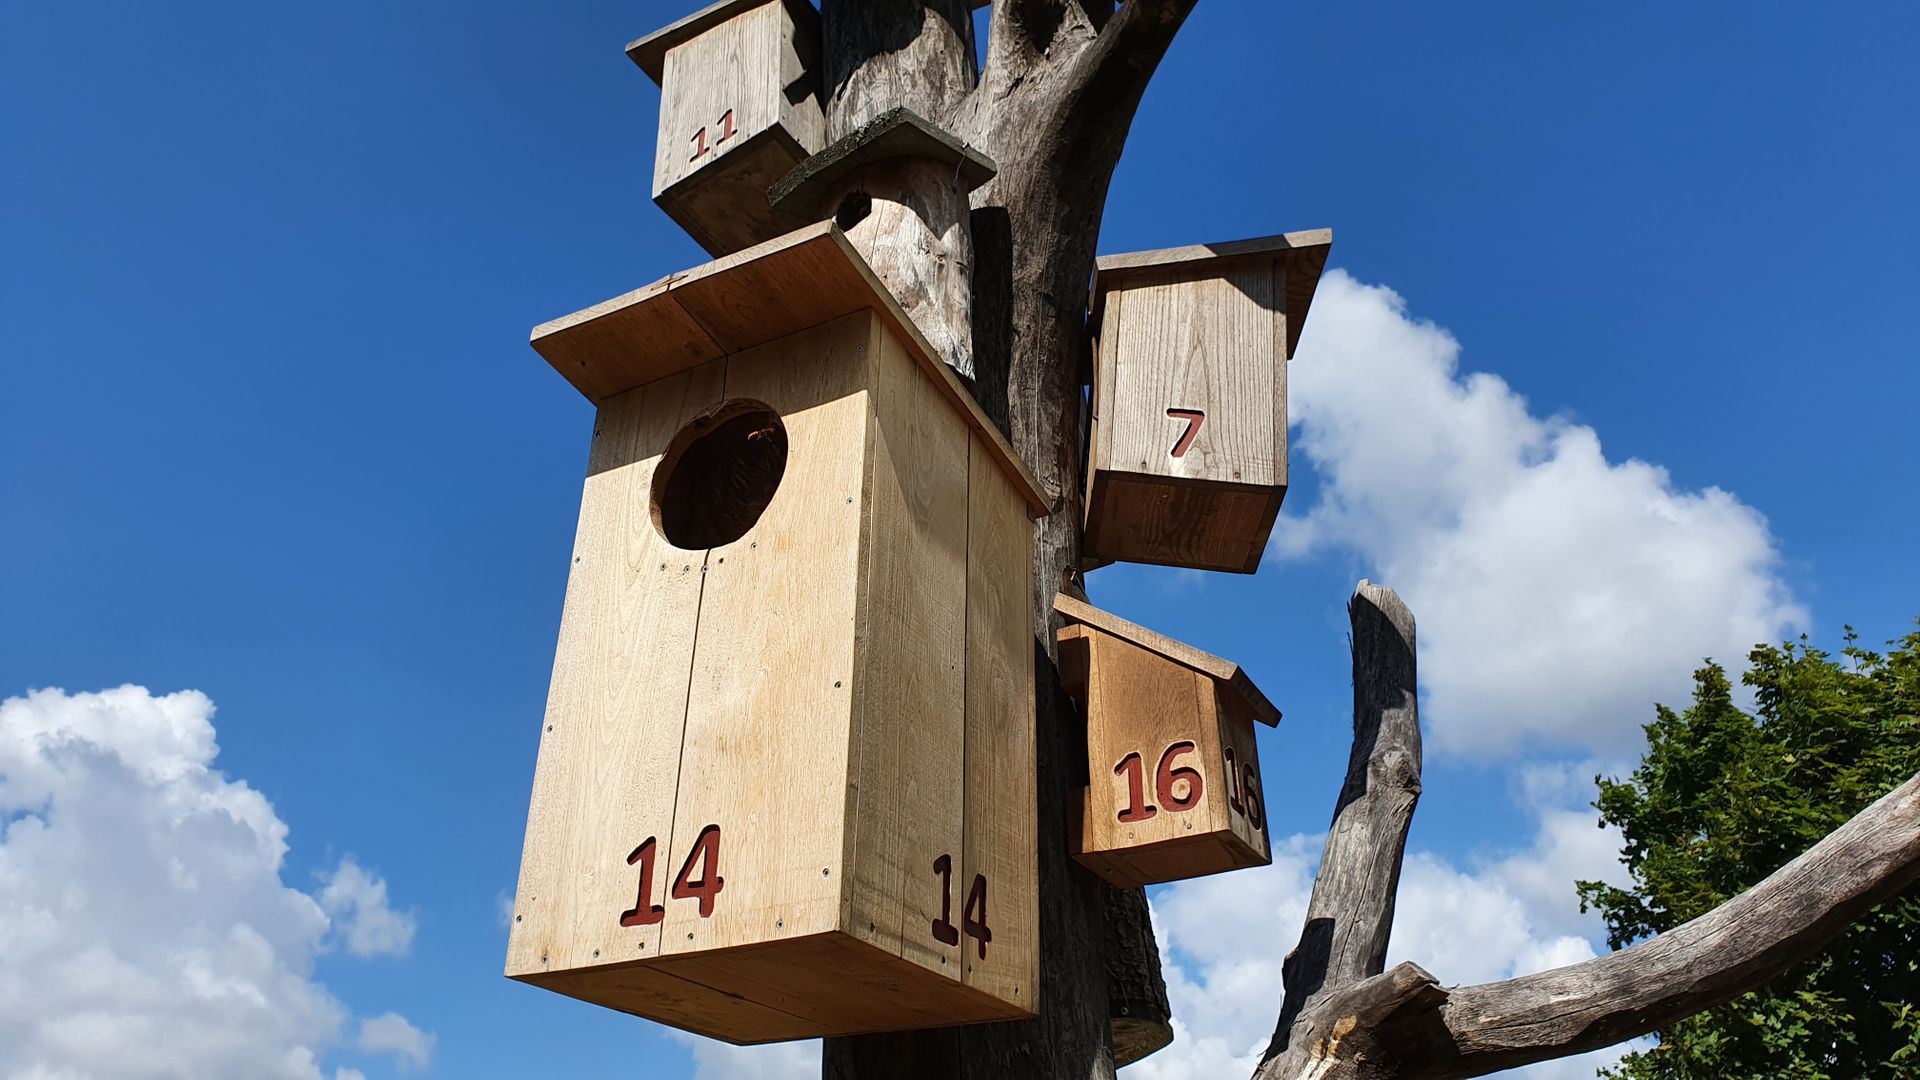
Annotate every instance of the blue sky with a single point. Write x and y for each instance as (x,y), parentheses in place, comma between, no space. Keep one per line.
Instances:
(1616,374)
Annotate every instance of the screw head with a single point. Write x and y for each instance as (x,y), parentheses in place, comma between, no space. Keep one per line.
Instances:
(516,918)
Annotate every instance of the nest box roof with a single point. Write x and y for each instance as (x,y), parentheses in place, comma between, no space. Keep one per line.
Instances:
(786,285)
(896,133)
(650,52)
(1305,252)
(1226,671)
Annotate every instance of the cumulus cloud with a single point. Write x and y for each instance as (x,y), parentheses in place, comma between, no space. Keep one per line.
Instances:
(1559,594)
(145,930)
(714,1060)
(357,902)
(1223,938)
(390,1033)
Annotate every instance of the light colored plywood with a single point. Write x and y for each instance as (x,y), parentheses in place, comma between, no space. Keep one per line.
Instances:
(1001,810)
(1206,346)
(773,666)
(807,277)
(610,746)
(907,784)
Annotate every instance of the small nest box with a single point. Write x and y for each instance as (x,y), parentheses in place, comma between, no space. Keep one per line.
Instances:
(785,786)
(1175,787)
(739,108)
(1188,456)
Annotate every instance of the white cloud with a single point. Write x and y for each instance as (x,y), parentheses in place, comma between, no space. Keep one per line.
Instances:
(144,927)
(390,1033)
(357,902)
(715,1060)
(1559,595)
(1223,938)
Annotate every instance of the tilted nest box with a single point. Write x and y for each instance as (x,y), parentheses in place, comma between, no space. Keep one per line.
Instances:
(1187,461)
(785,784)
(1175,787)
(739,108)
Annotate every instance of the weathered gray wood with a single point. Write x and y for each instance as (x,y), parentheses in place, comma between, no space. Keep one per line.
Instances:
(1402,1024)
(896,133)
(1351,913)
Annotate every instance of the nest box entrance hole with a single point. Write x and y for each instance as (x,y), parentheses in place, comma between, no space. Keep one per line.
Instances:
(719,474)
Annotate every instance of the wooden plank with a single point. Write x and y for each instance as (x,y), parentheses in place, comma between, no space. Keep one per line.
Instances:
(1246,814)
(1168,521)
(647,991)
(769,702)
(624,343)
(908,752)
(807,277)
(1228,672)
(610,749)
(896,133)
(1001,801)
(1207,346)
(1139,705)
(649,53)
(1110,271)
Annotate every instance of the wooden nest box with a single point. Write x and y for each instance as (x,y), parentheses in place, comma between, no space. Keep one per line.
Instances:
(1175,777)
(785,785)
(739,108)
(1188,457)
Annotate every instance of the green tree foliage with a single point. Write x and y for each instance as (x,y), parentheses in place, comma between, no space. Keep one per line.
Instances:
(1722,799)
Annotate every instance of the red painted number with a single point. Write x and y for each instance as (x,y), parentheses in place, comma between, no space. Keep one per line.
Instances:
(1194,418)
(644,911)
(1167,780)
(973,917)
(1137,808)
(699,145)
(944,931)
(726,128)
(699,139)
(1233,785)
(706,852)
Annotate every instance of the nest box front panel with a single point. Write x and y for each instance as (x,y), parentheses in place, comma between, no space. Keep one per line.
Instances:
(610,749)
(1189,456)
(1170,768)
(739,108)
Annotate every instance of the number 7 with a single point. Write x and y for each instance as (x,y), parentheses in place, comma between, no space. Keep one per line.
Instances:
(1194,418)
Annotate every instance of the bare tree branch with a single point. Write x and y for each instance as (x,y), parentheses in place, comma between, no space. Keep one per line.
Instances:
(1402,1024)
(1351,913)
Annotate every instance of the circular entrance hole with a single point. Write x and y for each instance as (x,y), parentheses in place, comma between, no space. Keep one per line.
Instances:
(718,475)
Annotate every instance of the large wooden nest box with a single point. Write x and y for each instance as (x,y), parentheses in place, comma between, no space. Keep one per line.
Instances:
(1175,787)
(1188,456)
(785,786)
(739,108)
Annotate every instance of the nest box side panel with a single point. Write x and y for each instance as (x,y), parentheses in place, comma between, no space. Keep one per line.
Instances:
(1199,377)
(1246,801)
(1147,519)
(908,813)
(761,802)
(739,109)
(1001,955)
(610,747)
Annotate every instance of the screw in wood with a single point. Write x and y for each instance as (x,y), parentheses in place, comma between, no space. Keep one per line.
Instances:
(596,954)
(689,935)
(516,918)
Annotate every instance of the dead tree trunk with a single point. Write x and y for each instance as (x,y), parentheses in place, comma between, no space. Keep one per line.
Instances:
(1051,109)
(1344,1019)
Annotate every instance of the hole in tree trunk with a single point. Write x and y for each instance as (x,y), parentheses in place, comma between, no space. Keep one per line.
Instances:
(853,210)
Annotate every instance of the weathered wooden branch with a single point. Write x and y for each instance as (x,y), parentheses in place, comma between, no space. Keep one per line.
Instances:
(1351,912)
(1403,1024)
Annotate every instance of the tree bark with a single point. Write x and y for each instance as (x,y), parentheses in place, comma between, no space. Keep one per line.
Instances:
(1351,912)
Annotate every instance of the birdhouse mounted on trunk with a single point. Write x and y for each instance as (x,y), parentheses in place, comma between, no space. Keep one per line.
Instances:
(785,786)
(739,108)
(1175,790)
(1187,461)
